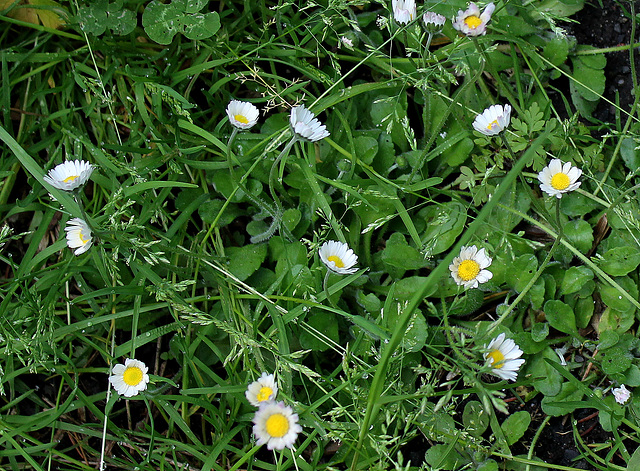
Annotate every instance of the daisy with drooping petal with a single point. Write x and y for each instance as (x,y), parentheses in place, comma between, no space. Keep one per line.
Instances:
(433,22)
(404,11)
(473,23)
(622,394)
(69,175)
(468,268)
(78,235)
(503,356)
(262,390)
(242,114)
(129,379)
(338,257)
(493,120)
(305,125)
(558,178)
(276,425)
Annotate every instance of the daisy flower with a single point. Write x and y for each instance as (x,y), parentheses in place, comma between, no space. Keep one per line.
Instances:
(306,125)
(622,394)
(276,425)
(503,356)
(473,23)
(493,120)
(404,11)
(262,390)
(69,175)
(338,257)
(129,379)
(468,269)
(78,235)
(558,178)
(242,114)
(433,22)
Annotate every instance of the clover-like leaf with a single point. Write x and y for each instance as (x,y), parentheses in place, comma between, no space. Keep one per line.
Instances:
(163,21)
(99,15)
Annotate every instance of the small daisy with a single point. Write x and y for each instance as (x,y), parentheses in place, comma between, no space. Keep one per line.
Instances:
(78,235)
(262,390)
(129,379)
(306,125)
(404,11)
(471,22)
(433,22)
(468,269)
(338,257)
(276,425)
(493,120)
(622,394)
(242,114)
(558,178)
(503,356)
(69,175)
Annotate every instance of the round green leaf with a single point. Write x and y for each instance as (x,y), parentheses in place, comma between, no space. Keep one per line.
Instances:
(574,278)
(619,261)
(560,316)
(475,418)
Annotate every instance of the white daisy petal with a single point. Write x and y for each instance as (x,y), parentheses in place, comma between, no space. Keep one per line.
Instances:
(468,268)
(69,175)
(404,11)
(558,178)
(242,114)
(262,390)
(338,257)
(471,22)
(621,394)
(129,379)
(276,425)
(433,22)
(503,356)
(306,125)
(493,120)
(78,235)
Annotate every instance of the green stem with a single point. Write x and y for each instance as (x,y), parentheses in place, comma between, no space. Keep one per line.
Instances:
(272,173)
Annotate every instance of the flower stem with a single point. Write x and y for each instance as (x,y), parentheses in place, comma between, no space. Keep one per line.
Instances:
(272,173)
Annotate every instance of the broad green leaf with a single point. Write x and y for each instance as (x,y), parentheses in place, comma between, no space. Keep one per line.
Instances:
(587,81)
(366,148)
(320,324)
(515,426)
(399,254)
(163,21)
(474,418)
(99,15)
(523,269)
(574,278)
(619,261)
(615,360)
(445,222)
(565,402)
(244,261)
(560,316)
(556,50)
(545,378)
(580,234)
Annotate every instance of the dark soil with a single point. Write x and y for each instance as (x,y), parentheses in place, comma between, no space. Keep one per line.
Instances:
(603,26)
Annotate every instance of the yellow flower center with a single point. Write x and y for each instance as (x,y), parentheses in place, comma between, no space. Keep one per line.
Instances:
(497,359)
(70,178)
(337,260)
(277,425)
(132,376)
(560,181)
(82,239)
(264,394)
(468,270)
(492,124)
(472,21)
(241,119)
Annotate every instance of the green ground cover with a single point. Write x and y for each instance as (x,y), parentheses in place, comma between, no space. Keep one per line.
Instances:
(483,282)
